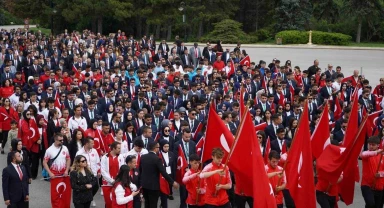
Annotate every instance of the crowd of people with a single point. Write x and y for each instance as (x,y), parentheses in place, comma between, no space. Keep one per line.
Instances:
(106,107)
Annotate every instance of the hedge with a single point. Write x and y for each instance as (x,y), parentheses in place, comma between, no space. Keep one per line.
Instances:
(318,37)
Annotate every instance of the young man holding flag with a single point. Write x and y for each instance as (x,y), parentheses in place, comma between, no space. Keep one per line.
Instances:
(218,181)
(276,177)
(194,184)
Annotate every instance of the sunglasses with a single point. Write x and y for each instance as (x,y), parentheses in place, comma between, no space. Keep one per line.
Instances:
(166,130)
(193,114)
(83,161)
(61,140)
(27,114)
(259,137)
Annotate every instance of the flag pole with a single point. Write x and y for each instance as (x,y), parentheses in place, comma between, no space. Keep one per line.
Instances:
(201,169)
(294,138)
(377,170)
(234,143)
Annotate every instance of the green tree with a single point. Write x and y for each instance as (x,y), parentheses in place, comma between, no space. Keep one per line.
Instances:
(293,14)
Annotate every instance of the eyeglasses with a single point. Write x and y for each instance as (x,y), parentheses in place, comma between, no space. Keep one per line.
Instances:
(259,137)
(166,130)
(61,140)
(63,96)
(193,114)
(27,114)
(83,161)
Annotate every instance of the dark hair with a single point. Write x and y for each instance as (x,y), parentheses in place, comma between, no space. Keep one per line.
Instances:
(273,154)
(194,157)
(87,140)
(374,140)
(114,145)
(152,146)
(123,176)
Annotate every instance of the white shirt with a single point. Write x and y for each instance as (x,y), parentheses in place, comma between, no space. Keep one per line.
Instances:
(121,199)
(133,153)
(75,123)
(93,159)
(60,163)
(104,165)
(14,100)
(336,86)
(16,168)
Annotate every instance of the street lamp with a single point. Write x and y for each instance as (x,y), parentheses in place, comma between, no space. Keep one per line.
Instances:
(182,9)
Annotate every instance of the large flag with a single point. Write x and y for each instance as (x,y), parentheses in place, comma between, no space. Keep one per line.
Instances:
(292,91)
(246,61)
(333,160)
(61,192)
(351,170)
(198,129)
(300,167)
(182,164)
(337,111)
(164,185)
(199,146)
(247,153)
(372,122)
(34,133)
(320,138)
(217,135)
(232,70)
(352,127)
(267,150)
(57,101)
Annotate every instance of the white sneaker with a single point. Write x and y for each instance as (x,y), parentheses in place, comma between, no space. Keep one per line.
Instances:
(101,192)
(93,204)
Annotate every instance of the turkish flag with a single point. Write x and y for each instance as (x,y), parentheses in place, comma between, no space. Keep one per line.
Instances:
(198,129)
(232,70)
(378,100)
(292,91)
(267,150)
(352,126)
(320,138)
(77,73)
(372,122)
(171,115)
(246,61)
(281,99)
(199,146)
(334,158)
(182,164)
(217,135)
(164,185)
(57,101)
(61,192)
(337,111)
(241,102)
(99,142)
(299,165)
(351,170)
(157,137)
(107,193)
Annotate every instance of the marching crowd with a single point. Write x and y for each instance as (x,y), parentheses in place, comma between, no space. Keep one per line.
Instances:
(117,113)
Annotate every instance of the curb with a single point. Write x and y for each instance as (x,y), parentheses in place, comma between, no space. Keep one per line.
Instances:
(231,46)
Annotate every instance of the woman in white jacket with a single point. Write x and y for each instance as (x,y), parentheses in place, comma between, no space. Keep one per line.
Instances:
(123,190)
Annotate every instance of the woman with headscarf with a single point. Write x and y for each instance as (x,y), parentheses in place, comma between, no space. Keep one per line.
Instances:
(7,114)
(24,129)
(166,135)
(130,134)
(17,145)
(93,132)
(168,159)
(107,116)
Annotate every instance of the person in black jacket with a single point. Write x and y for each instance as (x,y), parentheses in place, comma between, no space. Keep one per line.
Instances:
(15,182)
(53,125)
(130,160)
(76,143)
(169,162)
(17,146)
(81,181)
(150,168)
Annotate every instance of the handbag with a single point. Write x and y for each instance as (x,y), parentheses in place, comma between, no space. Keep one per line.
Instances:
(50,161)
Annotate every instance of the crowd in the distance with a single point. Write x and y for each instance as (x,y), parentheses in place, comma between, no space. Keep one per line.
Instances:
(87,91)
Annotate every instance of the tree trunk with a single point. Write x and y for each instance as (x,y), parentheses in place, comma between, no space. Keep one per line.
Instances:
(169,32)
(94,27)
(358,35)
(138,28)
(157,34)
(200,33)
(100,25)
(147,29)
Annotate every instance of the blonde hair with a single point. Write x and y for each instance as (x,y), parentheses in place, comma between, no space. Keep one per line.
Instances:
(76,164)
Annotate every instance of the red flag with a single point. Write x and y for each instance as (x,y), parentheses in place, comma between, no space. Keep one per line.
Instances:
(246,61)
(57,101)
(164,185)
(267,150)
(137,53)
(157,137)
(199,146)
(241,102)
(77,74)
(232,71)
(292,91)
(61,192)
(281,99)
(299,166)
(260,127)
(217,135)
(320,138)
(337,111)
(351,170)
(334,159)
(34,133)
(372,122)
(352,127)
(198,129)
(171,115)
(378,100)
(182,164)
(107,193)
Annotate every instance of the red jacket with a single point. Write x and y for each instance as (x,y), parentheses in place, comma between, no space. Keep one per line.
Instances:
(6,92)
(127,193)
(24,133)
(6,118)
(371,161)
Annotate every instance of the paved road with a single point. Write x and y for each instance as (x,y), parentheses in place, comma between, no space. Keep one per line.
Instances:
(371,61)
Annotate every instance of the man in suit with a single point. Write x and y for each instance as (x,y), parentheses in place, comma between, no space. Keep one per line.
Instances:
(186,58)
(195,53)
(193,122)
(271,130)
(15,183)
(144,57)
(225,56)
(147,132)
(165,48)
(339,135)
(326,91)
(150,168)
(296,114)
(90,113)
(188,147)
(278,144)
(34,69)
(263,104)
(209,54)
(329,72)
(105,100)
(227,118)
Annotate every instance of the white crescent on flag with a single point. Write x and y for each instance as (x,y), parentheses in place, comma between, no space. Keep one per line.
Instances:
(299,168)
(33,132)
(5,116)
(58,186)
(224,143)
(181,163)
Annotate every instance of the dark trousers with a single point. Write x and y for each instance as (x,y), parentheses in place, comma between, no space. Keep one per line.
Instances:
(163,200)
(280,205)
(35,157)
(372,198)
(242,200)
(231,196)
(195,206)
(183,196)
(95,188)
(289,203)
(20,204)
(227,205)
(324,200)
(82,205)
(137,201)
(151,197)
(4,137)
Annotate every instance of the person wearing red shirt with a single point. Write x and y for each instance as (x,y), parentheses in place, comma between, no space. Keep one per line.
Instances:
(7,90)
(7,114)
(194,184)
(276,176)
(19,79)
(372,181)
(45,76)
(123,190)
(219,64)
(218,181)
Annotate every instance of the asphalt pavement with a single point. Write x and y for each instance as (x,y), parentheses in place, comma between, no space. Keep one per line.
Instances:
(371,62)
